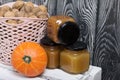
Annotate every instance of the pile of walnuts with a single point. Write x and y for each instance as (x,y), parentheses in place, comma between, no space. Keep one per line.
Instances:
(24,9)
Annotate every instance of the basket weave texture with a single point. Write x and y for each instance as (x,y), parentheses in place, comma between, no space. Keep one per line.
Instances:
(12,35)
(31,29)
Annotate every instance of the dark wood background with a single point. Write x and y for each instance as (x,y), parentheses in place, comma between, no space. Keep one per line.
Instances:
(99,22)
(107,39)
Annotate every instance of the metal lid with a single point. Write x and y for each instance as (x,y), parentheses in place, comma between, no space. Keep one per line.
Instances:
(47,41)
(78,45)
(68,33)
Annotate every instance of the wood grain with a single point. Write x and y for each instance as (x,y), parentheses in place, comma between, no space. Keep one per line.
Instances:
(107,39)
(52,6)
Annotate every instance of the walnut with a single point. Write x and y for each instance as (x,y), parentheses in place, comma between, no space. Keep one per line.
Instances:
(12,21)
(32,16)
(19,21)
(36,10)
(42,15)
(20,14)
(9,14)
(26,15)
(28,7)
(16,11)
(4,9)
(43,8)
(1,13)
(18,5)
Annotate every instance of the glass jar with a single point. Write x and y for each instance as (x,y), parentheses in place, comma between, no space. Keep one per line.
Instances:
(53,52)
(62,29)
(75,58)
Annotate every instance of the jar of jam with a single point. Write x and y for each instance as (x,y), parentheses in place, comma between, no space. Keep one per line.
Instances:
(62,29)
(53,52)
(75,58)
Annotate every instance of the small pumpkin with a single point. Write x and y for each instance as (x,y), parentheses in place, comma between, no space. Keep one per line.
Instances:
(29,58)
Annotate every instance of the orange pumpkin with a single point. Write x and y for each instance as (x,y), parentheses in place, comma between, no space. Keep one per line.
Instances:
(29,58)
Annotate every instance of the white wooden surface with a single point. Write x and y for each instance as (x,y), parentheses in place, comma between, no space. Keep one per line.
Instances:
(8,73)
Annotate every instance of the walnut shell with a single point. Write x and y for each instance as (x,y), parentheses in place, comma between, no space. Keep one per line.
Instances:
(9,14)
(42,15)
(18,5)
(36,10)
(28,7)
(32,16)
(20,14)
(12,21)
(43,8)
(4,9)
(1,13)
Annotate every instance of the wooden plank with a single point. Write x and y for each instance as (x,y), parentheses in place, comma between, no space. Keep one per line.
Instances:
(5,1)
(51,5)
(94,73)
(107,41)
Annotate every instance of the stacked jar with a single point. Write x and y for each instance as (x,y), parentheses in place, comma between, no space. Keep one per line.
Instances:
(53,52)
(73,56)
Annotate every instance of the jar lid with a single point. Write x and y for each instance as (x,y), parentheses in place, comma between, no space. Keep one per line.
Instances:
(68,33)
(78,45)
(47,41)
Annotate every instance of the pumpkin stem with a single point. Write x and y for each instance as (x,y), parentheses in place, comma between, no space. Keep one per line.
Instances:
(27,59)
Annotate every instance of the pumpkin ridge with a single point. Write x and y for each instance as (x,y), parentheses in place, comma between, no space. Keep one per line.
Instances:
(38,56)
(25,69)
(37,66)
(16,52)
(21,48)
(34,68)
(17,59)
(38,61)
(19,65)
(42,63)
(41,53)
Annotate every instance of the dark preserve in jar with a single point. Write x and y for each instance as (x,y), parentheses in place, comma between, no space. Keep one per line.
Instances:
(53,52)
(75,58)
(62,29)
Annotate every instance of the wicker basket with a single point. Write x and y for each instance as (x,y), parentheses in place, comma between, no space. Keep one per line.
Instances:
(30,29)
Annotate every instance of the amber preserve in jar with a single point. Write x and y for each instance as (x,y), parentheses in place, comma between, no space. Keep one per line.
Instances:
(53,52)
(62,29)
(75,58)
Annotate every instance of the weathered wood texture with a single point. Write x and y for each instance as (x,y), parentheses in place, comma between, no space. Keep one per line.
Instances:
(99,22)
(107,40)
